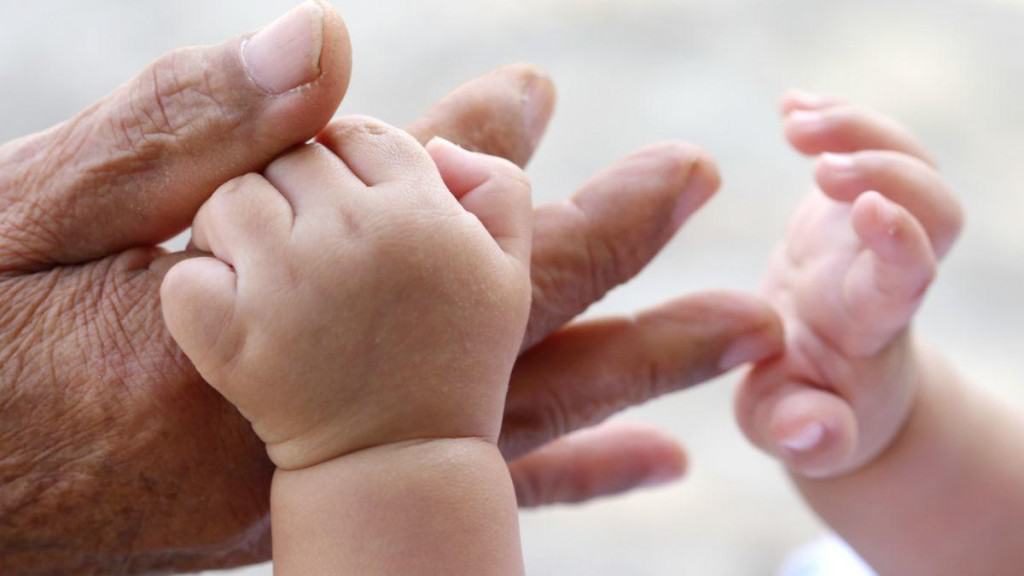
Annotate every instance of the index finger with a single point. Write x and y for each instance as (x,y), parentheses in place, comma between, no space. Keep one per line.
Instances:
(503,113)
(591,370)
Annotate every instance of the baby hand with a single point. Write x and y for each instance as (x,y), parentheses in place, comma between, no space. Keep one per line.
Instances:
(859,254)
(361,291)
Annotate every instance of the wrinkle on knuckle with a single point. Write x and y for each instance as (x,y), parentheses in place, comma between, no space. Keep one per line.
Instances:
(175,93)
(534,423)
(175,98)
(604,262)
(555,415)
(580,487)
(24,237)
(654,381)
(574,275)
(29,218)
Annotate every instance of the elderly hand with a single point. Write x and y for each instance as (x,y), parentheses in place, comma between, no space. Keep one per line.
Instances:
(116,458)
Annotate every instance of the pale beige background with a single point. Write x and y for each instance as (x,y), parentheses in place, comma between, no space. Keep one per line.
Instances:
(632,72)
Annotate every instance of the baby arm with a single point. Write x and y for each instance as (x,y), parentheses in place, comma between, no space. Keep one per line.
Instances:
(884,440)
(361,303)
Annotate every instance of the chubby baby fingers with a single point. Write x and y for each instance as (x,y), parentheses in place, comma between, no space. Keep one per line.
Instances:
(813,431)
(886,283)
(198,300)
(904,179)
(839,127)
(494,190)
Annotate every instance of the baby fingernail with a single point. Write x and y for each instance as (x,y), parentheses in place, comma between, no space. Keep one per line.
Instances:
(805,118)
(804,98)
(839,165)
(805,438)
(840,162)
(746,349)
(286,54)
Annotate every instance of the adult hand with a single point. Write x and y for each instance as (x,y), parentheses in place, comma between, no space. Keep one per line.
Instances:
(115,457)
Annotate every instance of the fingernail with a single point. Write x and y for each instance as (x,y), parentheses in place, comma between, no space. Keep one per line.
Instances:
(805,438)
(805,99)
(700,186)
(538,104)
(662,476)
(286,54)
(839,164)
(746,349)
(806,119)
(439,142)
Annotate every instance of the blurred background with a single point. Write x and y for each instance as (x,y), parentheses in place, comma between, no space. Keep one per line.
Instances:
(629,73)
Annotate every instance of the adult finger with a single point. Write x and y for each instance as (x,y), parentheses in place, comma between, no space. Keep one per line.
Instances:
(609,459)
(133,169)
(503,113)
(591,370)
(611,228)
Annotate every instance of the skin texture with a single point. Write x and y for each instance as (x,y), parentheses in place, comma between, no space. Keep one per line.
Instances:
(116,457)
(888,444)
(350,300)
(361,303)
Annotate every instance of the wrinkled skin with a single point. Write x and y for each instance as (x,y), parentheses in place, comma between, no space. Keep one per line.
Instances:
(116,458)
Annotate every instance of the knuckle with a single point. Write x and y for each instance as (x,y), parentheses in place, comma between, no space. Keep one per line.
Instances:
(288,162)
(578,272)
(175,94)
(556,418)
(358,126)
(236,186)
(512,179)
(221,204)
(654,379)
(605,262)
(385,140)
(29,219)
